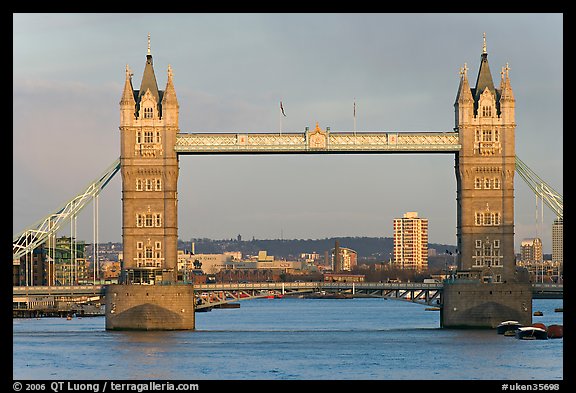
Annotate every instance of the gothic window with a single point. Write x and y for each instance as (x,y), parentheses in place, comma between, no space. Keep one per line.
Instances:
(151,184)
(487,136)
(139,245)
(496,183)
(148,220)
(158,245)
(487,249)
(487,218)
(139,221)
(148,252)
(479,218)
(148,137)
(138,137)
(148,113)
(496,243)
(478,183)
(158,220)
(478,243)
(158,137)
(487,183)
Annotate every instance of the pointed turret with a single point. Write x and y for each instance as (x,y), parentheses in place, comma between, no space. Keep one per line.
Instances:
(127,102)
(170,101)
(507,101)
(464,105)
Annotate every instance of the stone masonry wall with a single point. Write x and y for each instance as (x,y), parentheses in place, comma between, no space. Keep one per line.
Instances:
(150,307)
(478,305)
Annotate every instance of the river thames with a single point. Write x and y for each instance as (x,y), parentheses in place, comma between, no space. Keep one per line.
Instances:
(289,339)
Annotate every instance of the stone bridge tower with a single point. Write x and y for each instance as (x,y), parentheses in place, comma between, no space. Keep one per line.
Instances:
(149,167)
(485,169)
(148,129)
(489,288)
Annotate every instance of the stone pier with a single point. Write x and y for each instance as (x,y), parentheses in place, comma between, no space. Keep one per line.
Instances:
(150,307)
(479,305)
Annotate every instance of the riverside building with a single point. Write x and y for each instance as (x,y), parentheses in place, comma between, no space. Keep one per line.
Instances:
(411,242)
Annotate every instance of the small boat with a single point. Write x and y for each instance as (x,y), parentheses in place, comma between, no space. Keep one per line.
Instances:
(555,331)
(538,313)
(508,325)
(531,333)
(227,305)
(559,309)
(69,317)
(432,309)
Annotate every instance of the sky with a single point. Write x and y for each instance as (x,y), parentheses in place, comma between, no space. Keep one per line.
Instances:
(230,73)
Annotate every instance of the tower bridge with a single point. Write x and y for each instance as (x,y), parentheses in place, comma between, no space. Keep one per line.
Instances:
(489,287)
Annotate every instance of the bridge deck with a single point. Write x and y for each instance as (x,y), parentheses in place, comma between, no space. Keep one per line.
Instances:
(317,142)
(209,295)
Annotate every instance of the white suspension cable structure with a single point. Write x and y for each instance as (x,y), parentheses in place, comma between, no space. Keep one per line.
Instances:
(26,241)
(552,198)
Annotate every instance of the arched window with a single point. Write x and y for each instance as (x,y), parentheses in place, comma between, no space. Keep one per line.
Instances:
(148,113)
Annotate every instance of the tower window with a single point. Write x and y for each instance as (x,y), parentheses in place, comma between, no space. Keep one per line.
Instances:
(148,113)
(478,183)
(148,137)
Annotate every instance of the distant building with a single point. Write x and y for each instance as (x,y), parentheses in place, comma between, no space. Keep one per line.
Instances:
(531,250)
(343,259)
(63,263)
(110,270)
(32,268)
(69,261)
(343,277)
(558,241)
(208,263)
(411,242)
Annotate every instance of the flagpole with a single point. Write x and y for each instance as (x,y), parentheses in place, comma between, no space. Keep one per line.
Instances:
(354,119)
(280,116)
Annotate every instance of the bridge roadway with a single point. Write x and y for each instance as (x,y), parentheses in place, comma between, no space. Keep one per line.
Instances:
(210,295)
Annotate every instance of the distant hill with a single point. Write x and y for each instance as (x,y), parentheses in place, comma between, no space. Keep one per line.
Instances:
(376,248)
